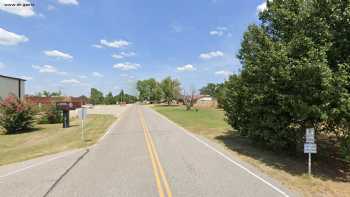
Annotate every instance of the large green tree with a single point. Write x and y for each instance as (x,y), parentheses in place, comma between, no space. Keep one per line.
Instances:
(109,99)
(210,89)
(171,89)
(96,97)
(295,73)
(149,90)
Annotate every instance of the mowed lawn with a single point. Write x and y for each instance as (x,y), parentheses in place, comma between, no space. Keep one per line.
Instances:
(52,138)
(290,171)
(208,122)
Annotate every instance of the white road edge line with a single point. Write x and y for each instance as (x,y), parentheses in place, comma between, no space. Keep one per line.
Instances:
(38,164)
(64,155)
(223,155)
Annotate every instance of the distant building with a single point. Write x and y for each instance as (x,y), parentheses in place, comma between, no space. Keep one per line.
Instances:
(11,86)
(204,101)
(201,101)
(76,102)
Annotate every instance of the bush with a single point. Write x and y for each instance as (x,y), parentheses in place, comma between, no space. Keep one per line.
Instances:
(50,114)
(345,148)
(15,115)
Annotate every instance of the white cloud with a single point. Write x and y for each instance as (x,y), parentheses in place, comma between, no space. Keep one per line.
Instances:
(210,55)
(26,77)
(262,7)
(48,69)
(225,73)
(70,81)
(127,66)
(82,76)
(51,7)
(2,65)
(97,74)
(9,38)
(220,31)
(58,54)
(117,56)
(69,2)
(10,6)
(115,43)
(97,46)
(123,55)
(216,33)
(187,67)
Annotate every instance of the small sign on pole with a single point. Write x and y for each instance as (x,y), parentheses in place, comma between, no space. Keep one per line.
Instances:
(310,135)
(82,116)
(310,147)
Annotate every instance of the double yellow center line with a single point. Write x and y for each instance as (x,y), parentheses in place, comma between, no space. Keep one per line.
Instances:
(161,181)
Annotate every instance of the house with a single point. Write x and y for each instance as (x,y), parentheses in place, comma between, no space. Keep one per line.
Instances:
(11,86)
(204,101)
(200,101)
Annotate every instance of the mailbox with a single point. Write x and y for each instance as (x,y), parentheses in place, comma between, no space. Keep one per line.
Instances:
(65,107)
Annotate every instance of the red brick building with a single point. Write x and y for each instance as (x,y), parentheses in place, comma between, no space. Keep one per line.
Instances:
(76,102)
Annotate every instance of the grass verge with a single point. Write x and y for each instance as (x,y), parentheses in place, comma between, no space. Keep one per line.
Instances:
(290,171)
(52,138)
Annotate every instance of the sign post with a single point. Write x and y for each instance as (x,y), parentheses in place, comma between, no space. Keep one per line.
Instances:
(82,117)
(310,146)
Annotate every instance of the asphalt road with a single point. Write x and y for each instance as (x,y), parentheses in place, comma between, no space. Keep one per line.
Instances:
(144,154)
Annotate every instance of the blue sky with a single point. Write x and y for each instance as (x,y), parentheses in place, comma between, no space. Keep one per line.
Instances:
(73,45)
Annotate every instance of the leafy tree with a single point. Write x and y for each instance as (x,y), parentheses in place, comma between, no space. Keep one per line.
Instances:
(123,97)
(220,94)
(96,97)
(109,99)
(295,73)
(171,89)
(49,94)
(149,90)
(210,89)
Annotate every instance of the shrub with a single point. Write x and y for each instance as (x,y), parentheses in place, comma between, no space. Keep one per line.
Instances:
(50,114)
(15,115)
(345,148)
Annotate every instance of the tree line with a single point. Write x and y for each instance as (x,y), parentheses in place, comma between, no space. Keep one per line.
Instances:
(155,92)
(295,75)
(97,97)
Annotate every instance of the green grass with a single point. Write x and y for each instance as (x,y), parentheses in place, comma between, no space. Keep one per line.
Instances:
(206,122)
(52,138)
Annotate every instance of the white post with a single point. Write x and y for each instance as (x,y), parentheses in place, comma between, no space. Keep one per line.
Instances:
(82,129)
(309,164)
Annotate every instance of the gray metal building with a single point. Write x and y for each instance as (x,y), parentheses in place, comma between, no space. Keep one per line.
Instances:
(11,86)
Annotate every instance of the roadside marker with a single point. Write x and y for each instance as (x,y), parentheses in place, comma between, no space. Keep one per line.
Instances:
(310,147)
(82,117)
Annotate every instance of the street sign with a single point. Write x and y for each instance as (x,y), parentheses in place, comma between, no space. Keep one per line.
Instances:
(310,148)
(82,113)
(310,135)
